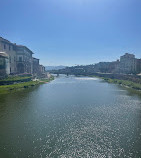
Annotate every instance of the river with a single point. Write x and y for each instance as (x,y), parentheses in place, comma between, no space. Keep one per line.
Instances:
(71,117)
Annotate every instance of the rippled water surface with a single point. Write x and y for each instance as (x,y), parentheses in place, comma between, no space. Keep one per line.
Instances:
(71,117)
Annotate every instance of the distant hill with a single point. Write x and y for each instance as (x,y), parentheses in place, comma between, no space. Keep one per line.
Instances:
(48,68)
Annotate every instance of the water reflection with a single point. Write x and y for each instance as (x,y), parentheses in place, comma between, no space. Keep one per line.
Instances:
(71,117)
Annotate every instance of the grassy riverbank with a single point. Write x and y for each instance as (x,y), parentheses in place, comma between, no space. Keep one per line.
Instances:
(125,83)
(45,80)
(15,79)
(4,89)
(15,87)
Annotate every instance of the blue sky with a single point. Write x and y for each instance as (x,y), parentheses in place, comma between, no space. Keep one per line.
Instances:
(69,32)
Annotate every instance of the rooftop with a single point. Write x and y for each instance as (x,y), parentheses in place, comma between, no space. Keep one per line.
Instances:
(8,42)
(36,58)
(21,46)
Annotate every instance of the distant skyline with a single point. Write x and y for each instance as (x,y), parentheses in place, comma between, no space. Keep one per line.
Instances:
(73,32)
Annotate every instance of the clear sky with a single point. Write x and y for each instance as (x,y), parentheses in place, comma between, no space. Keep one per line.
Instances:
(69,32)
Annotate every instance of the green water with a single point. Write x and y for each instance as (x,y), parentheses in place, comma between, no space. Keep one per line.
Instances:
(71,118)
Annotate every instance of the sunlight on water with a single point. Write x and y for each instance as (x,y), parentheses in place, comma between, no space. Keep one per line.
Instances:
(71,118)
(86,78)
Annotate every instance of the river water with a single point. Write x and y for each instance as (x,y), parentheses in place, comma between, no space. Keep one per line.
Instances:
(71,117)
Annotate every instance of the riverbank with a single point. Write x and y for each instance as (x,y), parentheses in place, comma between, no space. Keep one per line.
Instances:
(15,79)
(4,89)
(125,83)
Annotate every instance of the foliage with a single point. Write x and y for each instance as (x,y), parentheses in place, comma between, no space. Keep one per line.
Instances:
(15,87)
(4,89)
(127,83)
(47,79)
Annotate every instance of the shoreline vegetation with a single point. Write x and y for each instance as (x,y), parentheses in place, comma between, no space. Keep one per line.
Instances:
(124,83)
(26,82)
(132,83)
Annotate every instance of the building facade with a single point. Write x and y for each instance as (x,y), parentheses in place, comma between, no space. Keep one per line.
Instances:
(9,48)
(107,67)
(24,59)
(128,63)
(4,64)
(41,69)
(114,66)
(138,66)
(17,59)
(36,68)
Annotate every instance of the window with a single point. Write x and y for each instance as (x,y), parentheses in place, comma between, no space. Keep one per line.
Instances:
(20,58)
(4,46)
(9,48)
(1,61)
(10,59)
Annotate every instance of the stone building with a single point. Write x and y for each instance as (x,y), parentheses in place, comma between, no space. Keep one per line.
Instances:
(36,68)
(9,48)
(128,63)
(19,58)
(24,59)
(138,65)
(107,67)
(115,66)
(42,70)
(4,64)
(102,67)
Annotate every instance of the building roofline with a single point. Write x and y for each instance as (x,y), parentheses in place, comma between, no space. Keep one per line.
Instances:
(14,44)
(36,58)
(6,41)
(25,48)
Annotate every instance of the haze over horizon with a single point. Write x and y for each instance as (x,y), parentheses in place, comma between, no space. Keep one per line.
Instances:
(69,32)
